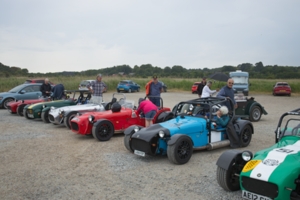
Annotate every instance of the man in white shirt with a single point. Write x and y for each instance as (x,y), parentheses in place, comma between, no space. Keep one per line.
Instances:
(207,92)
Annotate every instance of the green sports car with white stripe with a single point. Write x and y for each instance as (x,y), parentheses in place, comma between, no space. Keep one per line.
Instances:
(272,173)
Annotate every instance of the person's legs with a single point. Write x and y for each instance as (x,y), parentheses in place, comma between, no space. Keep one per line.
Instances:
(96,99)
(149,117)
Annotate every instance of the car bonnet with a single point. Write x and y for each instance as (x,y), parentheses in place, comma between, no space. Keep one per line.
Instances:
(276,162)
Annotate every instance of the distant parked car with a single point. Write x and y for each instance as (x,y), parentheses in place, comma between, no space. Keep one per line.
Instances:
(128,86)
(84,83)
(37,81)
(164,86)
(282,88)
(194,87)
(20,92)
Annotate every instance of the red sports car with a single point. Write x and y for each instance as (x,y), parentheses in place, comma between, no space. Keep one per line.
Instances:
(282,88)
(194,87)
(17,106)
(102,125)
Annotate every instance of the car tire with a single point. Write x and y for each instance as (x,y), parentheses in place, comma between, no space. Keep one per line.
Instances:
(255,114)
(138,90)
(68,118)
(5,102)
(20,109)
(165,90)
(129,90)
(45,116)
(227,179)
(103,131)
(118,91)
(274,94)
(127,139)
(246,135)
(181,151)
(25,114)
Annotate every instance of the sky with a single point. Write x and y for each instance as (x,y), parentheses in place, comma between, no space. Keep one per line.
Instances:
(76,35)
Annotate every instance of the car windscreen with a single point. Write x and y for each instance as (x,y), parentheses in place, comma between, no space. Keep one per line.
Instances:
(123,82)
(240,80)
(16,89)
(84,83)
(282,85)
(292,127)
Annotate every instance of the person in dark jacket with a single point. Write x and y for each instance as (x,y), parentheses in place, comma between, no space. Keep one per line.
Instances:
(201,86)
(58,91)
(46,88)
(228,92)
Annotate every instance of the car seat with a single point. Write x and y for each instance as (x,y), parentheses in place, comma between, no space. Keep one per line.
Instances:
(109,105)
(296,130)
(116,107)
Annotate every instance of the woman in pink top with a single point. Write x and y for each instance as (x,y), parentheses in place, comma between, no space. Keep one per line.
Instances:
(149,110)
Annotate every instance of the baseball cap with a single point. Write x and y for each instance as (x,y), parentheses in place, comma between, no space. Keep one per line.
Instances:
(99,75)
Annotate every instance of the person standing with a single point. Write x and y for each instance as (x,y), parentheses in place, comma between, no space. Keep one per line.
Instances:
(153,90)
(207,92)
(228,92)
(46,88)
(97,88)
(149,110)
(201,86)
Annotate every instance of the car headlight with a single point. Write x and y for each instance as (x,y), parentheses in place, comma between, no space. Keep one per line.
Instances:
(161,134)
(52,108)
(136,129)
(91,118)
(247,155)
(60,111)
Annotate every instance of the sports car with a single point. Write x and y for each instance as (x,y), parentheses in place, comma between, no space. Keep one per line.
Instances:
(41,110)
(249,108)
(102,125)
(64,115)
(272,173)
(191,129)
(18,105)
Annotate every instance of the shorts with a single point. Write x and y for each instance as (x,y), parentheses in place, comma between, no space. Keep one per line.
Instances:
(150,115)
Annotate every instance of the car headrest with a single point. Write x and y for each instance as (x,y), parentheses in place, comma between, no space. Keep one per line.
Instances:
(116,107)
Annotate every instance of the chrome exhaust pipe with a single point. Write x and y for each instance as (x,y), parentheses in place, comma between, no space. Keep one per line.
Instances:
(216,145)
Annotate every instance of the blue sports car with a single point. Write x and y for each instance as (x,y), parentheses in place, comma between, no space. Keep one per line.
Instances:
(20,92)
(128,86)
(191,129)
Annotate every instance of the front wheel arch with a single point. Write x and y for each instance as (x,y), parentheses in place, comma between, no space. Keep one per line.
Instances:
(6,101)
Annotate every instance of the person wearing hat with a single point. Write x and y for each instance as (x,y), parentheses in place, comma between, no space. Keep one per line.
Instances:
(221,117)
(97,87)
(149,110)
(153,90)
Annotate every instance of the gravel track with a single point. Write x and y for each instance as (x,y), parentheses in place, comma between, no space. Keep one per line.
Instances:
(44,161)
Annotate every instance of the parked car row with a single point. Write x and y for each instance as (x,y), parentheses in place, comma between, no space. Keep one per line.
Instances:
(272,173)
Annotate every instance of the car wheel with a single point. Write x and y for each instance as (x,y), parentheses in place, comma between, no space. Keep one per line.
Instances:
(45,116)
(129,90)
(165,90)
(20,109)
(25,114)
(181,151)
(118,91)
(255,114)
(103,131)
(274,94)
(228,179)
(246,135)
(138,90)
(127,139)
(5,102)
(68,118)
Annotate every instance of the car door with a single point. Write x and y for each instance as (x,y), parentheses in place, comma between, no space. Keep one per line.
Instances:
(29,92)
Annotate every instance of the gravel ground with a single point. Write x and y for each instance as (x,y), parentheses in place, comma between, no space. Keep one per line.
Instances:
(44,161)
